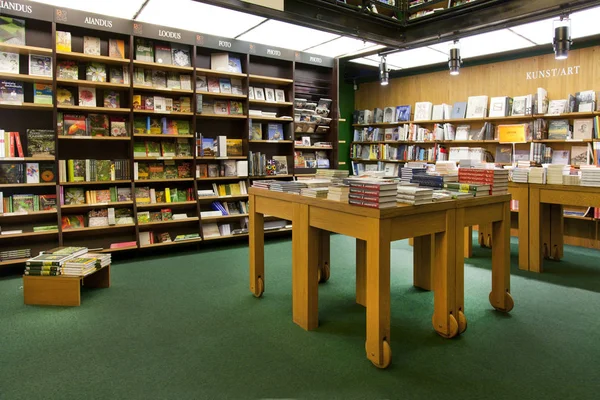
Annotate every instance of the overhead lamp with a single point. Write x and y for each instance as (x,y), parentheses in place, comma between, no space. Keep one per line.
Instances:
(454,60)
(384,75)
(562,37)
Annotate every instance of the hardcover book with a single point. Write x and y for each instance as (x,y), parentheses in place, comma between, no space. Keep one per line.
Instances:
(116,75)
(111,99)
(72,222)
(40,142)
(76,170)
(40,65)
(559,129)
(256,131)
(236,86)
(225,85)
(580,155)
(144,50)
(221,107)
(259,94)
(251,93)
(74,196)
(9,62)
(280,97)
(42,93)
(95,72)
(183,148)
(162,54)
(118,127)
(185,82)
(87,96)
(11,92)
(116,48)
(583,129)
(269,95)
(477,106)
(74,125)
(236,108)
(181,56)
(64,97)
(12,31)
(459,110)
(402,113)
(423,111)
(67,69)
(159,79)
(98,124)
(275,131)
(213,85)
(234,147)
(91,45)
(201,83)
(11,173)
(63,41)
(173,80)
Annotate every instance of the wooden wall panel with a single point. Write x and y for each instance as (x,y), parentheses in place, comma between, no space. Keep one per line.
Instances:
(507,78)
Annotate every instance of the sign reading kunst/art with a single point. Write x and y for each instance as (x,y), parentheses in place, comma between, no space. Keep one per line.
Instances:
(553,72)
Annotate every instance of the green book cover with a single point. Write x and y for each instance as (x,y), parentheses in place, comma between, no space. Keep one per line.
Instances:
(74,196)
(156,171)
(139,149)
(153,148)
(23,203)
(76,170)
(183,147)
(98,124)
(143,172)
(144,50)
(183,127)
(113,193)
(143,217)
(40,142)
(181,195)
(171,171)
(139,126)
(12,30)
(168,148)
(103,170)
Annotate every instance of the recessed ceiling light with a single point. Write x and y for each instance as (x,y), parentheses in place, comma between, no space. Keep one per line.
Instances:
(288,36)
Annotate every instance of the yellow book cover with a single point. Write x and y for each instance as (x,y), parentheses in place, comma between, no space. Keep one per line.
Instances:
(167,195)
(63,41)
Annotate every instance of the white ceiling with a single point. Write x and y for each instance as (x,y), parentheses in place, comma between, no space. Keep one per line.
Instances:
(199,17)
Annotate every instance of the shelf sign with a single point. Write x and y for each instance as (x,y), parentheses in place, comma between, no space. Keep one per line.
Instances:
(313,59)
(215,42)
(552,72)
(271,52)
(165,33)
(512,133)
(92,21)
(27,9)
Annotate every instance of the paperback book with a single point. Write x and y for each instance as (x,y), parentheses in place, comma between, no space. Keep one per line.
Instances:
(40,65)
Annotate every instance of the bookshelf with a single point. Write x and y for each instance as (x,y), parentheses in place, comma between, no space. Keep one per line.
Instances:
(260,67)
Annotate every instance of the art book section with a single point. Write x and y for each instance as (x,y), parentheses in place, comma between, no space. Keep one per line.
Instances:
(553,126)
(122,141)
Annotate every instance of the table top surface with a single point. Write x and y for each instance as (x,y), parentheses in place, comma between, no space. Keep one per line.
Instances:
(567,188)
(400,210)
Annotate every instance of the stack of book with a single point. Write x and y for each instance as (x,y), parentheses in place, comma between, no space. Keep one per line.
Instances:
(316,192)
(335,176)
(473,189)
(85,264)
(51,262)
(496,178)
(339,193)
(287,186)
(266,184)
(433,181)
(537,175)
(373,193)
(590,176)
(410,169)
(573,180)
(520,174)
(555,173)
(414,195)
(14,254)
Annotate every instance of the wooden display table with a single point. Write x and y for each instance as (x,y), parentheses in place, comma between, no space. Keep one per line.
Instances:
(546,218)
(62,290)
(375,230)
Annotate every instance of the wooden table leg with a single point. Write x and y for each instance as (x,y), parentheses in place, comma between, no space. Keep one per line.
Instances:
(468,238)
(444,297)
(461,238)
(535,246)
(324,259)
(99,279)
(378,294)
(256,231)
(305,258)
(361,272)
(556,231)
(500,297)
(423,256)
(523,216)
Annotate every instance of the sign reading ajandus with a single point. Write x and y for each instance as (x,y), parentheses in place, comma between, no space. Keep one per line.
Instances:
(553,72)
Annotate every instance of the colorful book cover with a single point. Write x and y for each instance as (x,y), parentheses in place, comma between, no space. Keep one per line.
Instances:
(116,48)
(95,72)
(201,83)
(74,125)
(42,93)
(171,171)
(183,148)
(63,41)
(23,203)
(11,92)
(137,102)
(184,170)
(207,147)
(155,126)
(236,108)
(111,99)
(168,148)
(185,104)
(48,202)
(139,126)
(76,170)
(103,170)
(183,126)
(12,31)
(64,97)
(153,148)
(67,69)
(98,124)
(40,65)
(11,173)
(72,222)
(124,194)
(91,45)
(40,142)
(156,171)
(87,96)
(225,85)
(47,172)
(213,85)
(221,107)
(118,127)
(256,131)
(74,196)
(32,172)
(234,147)
(275,131)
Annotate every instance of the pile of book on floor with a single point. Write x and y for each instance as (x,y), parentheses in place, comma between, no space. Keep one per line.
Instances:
(69,261)
(521,173)
(373,193)
(554,174)
(486,174)
(339,193)
(537,175)
(8,255)
(590,176)
(414,195)
(293,187)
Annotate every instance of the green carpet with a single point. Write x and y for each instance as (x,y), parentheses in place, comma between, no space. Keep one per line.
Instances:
(187,327)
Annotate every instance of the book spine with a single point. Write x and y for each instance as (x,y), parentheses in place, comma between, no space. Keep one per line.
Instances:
(12,144)
(373,199)
(363,203)
(18,143)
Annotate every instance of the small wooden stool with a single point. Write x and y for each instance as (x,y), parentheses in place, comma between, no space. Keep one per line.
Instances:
(62,290)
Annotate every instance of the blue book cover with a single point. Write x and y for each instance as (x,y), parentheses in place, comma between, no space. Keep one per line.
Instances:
(235,65)
(403,113)
(207,147)
(275,131)
(459,110)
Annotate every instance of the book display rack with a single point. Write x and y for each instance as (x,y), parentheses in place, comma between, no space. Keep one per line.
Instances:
(128,135)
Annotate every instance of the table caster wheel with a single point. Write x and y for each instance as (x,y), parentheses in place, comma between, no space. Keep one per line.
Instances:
(556,256)
(488,243)
(508,300)
(387,356)
(260,288)
(324,273)
(462,322)
(452,327)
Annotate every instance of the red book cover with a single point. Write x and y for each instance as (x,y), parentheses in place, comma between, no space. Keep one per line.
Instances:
(18,143)
(367,198)
(372,192)
(363,203)
(11,139)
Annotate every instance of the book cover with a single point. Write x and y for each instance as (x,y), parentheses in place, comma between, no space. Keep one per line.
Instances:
(76,170)
(67,69)
(236,86)
(63,41)
(153,148)
(32,172)
(281,167)
(185,104)
(9,62)
(236,108)
(111,99)
(251,93)
(95,72)
(42,93)
(98,124)
(171,171)
(11,92)
(156,171)
(40,65)
(116,75)
(139,149)
(275,132)
(148,103)
(459,110)
(137,102)
(184,170)
(183,148)
(580,155)
(72,222)
(162,54)
(583,129)
(207,147)
(168,148)
(558,129)
(12,30)
(64,97)
(74,125)
(40,142)
(11,173)
(118,127)
(47,202)
(116,48)
(235,64)
(225,85)
(221,107)
(213,85)
(159,79)
(181,56)
(280,97)
(403,113)
(144,50)
(173,80)
(201,83)
(91,45)
(185,82)
(234,147)
(103,170)
(155,126)
(139,77)
(47,172)
(87,96)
